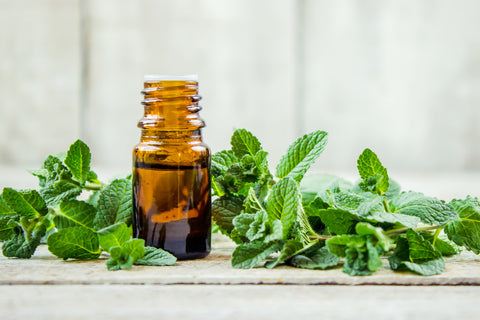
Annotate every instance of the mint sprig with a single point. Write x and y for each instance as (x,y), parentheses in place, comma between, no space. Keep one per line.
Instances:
(74,228)
(318,221)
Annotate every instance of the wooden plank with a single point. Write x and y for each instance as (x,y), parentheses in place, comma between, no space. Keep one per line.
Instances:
(39,78)
(400,77)
(216,269)
(238,302)
(241,50)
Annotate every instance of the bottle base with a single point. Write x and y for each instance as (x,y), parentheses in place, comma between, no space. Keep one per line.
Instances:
(192,256)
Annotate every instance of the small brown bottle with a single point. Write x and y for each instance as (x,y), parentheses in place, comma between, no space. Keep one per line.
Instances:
(171,170)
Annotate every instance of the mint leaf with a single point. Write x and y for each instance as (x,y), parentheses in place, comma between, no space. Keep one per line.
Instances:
(7,228)
(222,160)
(339,244)
(114,236)
(26,238)
(442,244)
(249,255)
(381,239)
(78,161)
(301,154)
(75,243)
(429,210)
(123,257)
(314,185)
(283,204)
(338,221)
(346,200)
(59,184)
(373,173)
(244,142)
(252,204)
(114,204)
(361,260)
(466,230)
(428,268)
(290,248)
(27,204)
(156,257)
(416,254)
(74,213)
(317,259)
(393,218)
(224,210)
(258,227)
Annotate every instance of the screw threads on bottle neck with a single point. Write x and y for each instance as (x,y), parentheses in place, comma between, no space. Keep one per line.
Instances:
(171,105)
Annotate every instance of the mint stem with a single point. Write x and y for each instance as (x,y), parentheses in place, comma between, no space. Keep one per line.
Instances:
(385,205)
(92,186)
(403,230)
(321,237)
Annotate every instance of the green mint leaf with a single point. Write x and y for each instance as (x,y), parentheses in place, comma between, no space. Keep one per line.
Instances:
(301,154)
(252,204)
(429,210)
(114,236)
(283,204)
(339,244)
(244,142)
(250,254)
(338,221)
(241,224)
(316,185)
(382,240)
(290,248)
(23,243)
(416,254)
(135,248)
(372,172)
(119,259)
(75,242)
(222,160)
(123,257)
(114,204)
(224,210)
(74,213)
(420,250)
(259,227)
(361,259)
(428,268)
(442,244)
(466,230)
(27,204)
(7,228)
(59,184)
(156,257)
(393,218)
(318,259)
(78,160)
(347,200)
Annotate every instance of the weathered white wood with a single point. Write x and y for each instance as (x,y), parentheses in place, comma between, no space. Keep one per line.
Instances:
(39,79)
(402,77)
(44,268)
(241,50)
(238,302)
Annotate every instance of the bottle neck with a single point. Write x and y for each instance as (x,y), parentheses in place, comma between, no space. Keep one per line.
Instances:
(170,106)
(155,135)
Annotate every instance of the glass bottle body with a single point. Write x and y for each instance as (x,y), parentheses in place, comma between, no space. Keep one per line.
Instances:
(171,179)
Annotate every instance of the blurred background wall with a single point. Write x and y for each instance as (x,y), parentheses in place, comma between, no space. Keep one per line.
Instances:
(400,77)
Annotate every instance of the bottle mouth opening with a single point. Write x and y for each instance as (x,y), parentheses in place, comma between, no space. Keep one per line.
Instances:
(160,77)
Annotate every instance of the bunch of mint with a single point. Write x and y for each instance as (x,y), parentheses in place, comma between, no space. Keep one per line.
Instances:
(321,221)
(73,228)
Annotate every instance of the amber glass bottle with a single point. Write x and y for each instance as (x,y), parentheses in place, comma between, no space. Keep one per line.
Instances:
(171,170)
